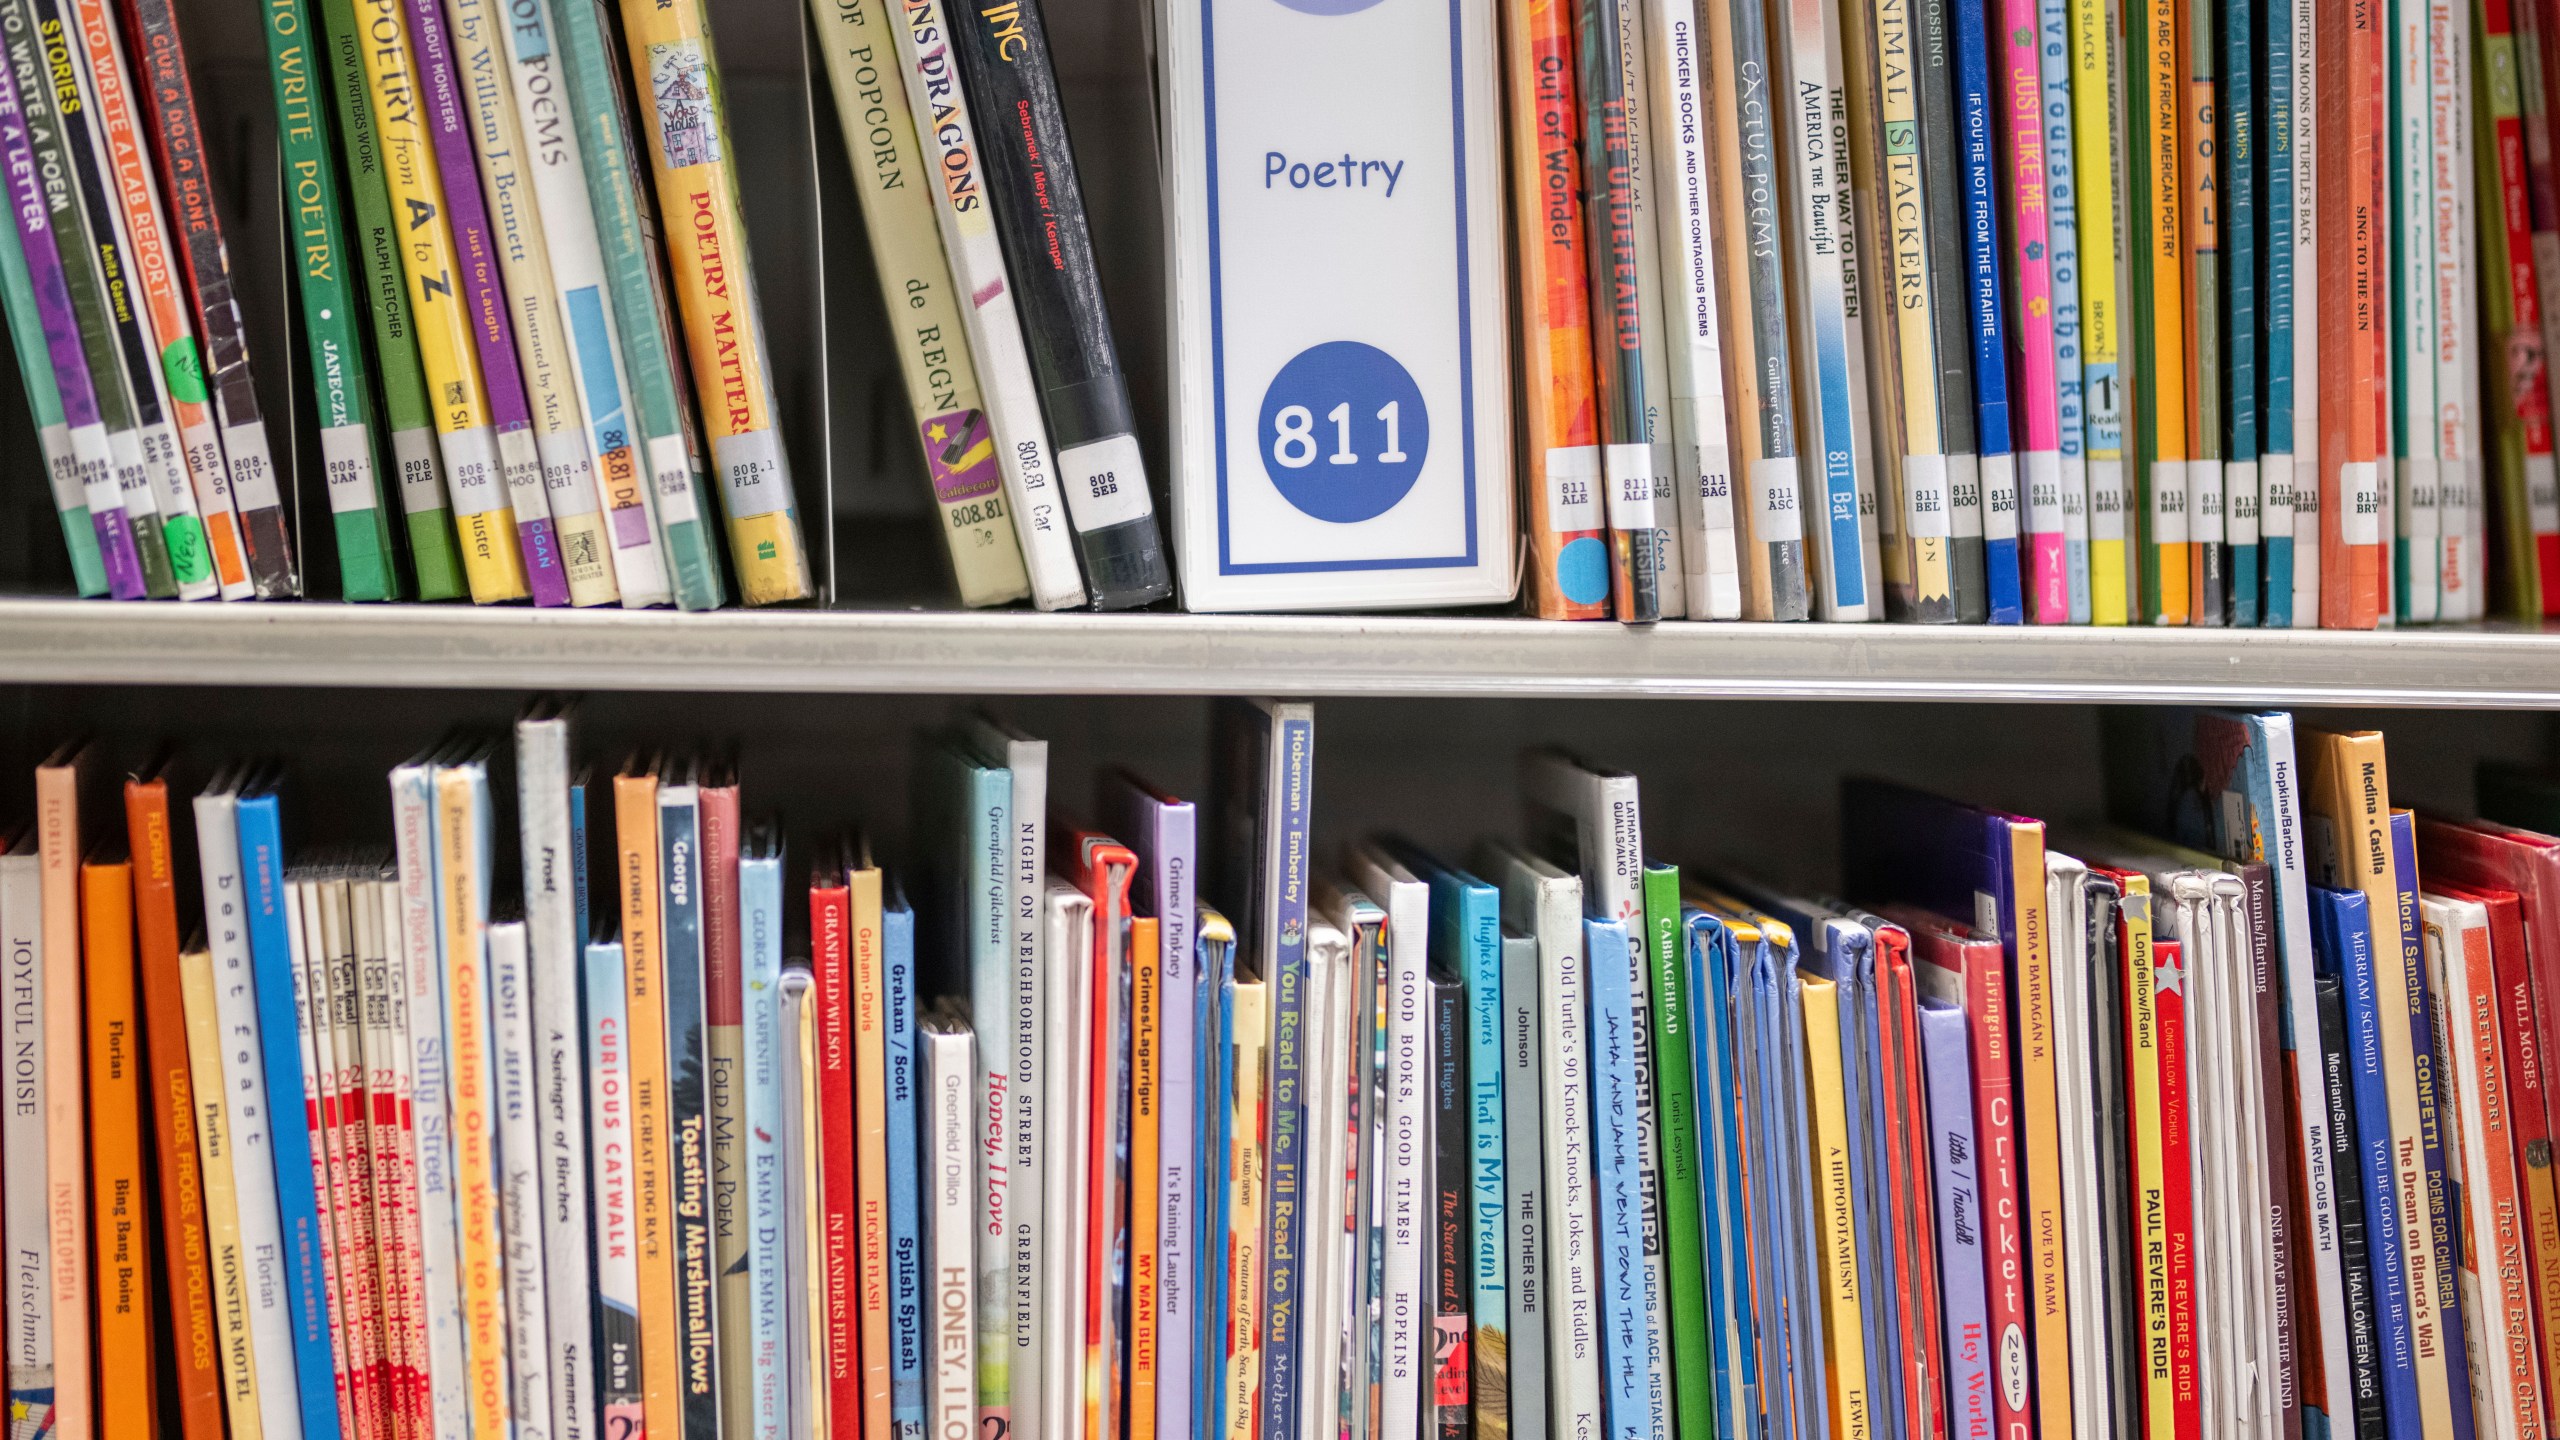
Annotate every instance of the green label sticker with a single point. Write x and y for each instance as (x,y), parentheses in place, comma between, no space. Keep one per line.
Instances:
(185,537)
(185,370)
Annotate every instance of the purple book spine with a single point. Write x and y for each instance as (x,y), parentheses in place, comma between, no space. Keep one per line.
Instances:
(1950,1080)
(510,414)
(62,345)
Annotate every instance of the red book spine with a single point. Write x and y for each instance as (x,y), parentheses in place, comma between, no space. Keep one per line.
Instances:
(2177,1190)
(2004,1246)
(830,918)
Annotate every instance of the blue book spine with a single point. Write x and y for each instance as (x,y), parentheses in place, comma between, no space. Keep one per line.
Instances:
(1618,1215)
(1285,1162)
(1870,1207)
(2344,915)
(907,1326)
(1727,1248)
(1760,1019)
(1480,938)
(578,856)
(2000,514)
(2275,307)
(2242,148)
(760,981)
(1949,1066)
(271,968)
(2436,1114)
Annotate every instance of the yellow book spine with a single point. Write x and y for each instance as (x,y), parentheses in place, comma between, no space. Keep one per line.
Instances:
(2040,1107)
(1244,1211)
(2094,83)
(1146,1028)
(635,810)
(1843,1323)
(2151,1223)
(221,1196)
(470,1083)
(482,514)
(690,149)
(126,1406)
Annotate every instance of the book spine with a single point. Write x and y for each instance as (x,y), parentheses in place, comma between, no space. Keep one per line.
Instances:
(2414,320)
(689,143)
(553,847)
(2178,1203)
(2238,145)
(1989,327)
(1522,1252)
(2201,186)
(513,1037)
(204,501)
(2278,133)
(193,1361)
(619,483)
(669,468)
(687,1199)
(1560,444)
(1834,1209)
(1403,1398)
(725,1096)
(1618,1218)
(462,881)
(226,1263)
(1955,1157)
(422,948)
(1187,1157)
(2365,487)
(1830,351)
(184,168)
(2157,257)
(764,1206)
(2538,65)
(128,1409)
(1987,1006)
(261,849)
(1004,52)
(1486,1183)
(1027,1072)
(1769,521)
(2499,1207)
(1897,304)
(635,807)
(563,511)
(2062,219)
(1644,233)
(29,1190)
(2444,1371)
(934,354)
(906,1196)
(2450,107)
(1610,210)
(1950,312)
(844,951)
(64,298)
(1146,1165)
(2493,1317)
(1285,1182)
(349,1314)
(609,1140)
(1452,1400)
(174,527)
(521,510)
(949,1078)
(27,337)
(392,1094)
(1702,462)
(1670,1042)
(806,1213)
(2363,1341)
(2310,379)
(142,447)
(1565,1098)
(2020,117)
(2368,1021)
(2512,243)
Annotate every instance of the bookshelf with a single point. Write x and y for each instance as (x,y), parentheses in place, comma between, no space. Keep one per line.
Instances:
(888,652)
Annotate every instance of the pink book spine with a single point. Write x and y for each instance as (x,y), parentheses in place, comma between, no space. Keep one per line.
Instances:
(2038,397)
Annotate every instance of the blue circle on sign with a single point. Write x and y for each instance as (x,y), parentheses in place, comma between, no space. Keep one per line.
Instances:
(1344,431)
(1328,7)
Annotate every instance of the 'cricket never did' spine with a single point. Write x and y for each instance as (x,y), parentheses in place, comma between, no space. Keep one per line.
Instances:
(1039,211)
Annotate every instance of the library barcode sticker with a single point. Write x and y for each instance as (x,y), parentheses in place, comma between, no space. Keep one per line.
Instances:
(1715,486)
(253,467)
(472,470)
(2360,483)
(1573,489)
(1999,497)
(1630,471)
(2169,502)
(346,457)
(1106,483)
(1924,487)
(671,472)
(1776,489)
(752,474)
(421,486)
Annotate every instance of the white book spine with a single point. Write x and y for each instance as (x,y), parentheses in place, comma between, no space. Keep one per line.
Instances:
(1067,924)
(1408,1217)
(551,930)
(519,1169)
(2085,1252)
(1661,510)
(1573,1286)
(1524,1180)
(1684,206)
(24,1220)
(995,330)
(439,1258)
(2457,470)
(1319,1372)
(252,1144)
(1018,1065)
(951,1253)
(2413,294)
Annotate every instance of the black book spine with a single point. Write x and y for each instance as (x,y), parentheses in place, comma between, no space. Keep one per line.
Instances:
(2364,1351)
(1452,1150)
(1048,250)
(1949,306)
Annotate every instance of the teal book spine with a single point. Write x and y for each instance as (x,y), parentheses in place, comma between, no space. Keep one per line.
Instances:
(44,406)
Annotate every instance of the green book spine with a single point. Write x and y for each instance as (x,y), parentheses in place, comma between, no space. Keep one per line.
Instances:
(1675,1080)
(339,373)
(625,230)
(44,404)
(418,465)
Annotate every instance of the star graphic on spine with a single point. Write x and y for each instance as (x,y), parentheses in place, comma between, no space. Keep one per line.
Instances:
(2168,980)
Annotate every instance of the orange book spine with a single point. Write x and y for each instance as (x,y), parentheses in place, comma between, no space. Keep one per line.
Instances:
(2040,1131)
(2504,1312)
(871,1136)
(198,1368)
(1146,1030)
(126,1408)
(2353,73)
(635,814)
(66,1087)
(1560,435)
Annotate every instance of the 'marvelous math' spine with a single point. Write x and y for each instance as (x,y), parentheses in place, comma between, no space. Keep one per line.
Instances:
(1040,220)
(689,143)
